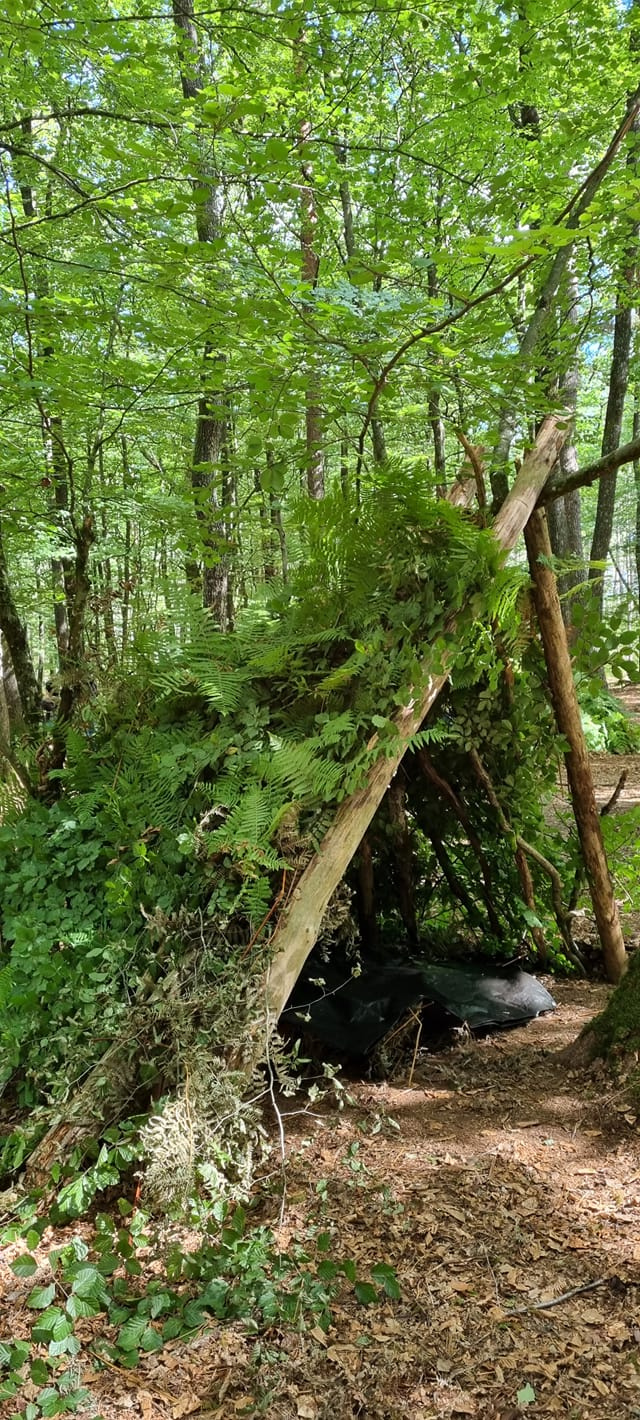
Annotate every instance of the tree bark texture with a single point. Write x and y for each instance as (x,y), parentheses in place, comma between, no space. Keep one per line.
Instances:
(618,382)
(636,480)
(564,515)
(567,713)
(14,631)
(545,300)
(309,264)
(207,474)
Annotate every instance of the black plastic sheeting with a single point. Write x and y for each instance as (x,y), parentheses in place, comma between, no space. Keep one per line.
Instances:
(351,1015)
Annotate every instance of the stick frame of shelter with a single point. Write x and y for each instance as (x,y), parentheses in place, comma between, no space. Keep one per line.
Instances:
(567,713)
(298,927)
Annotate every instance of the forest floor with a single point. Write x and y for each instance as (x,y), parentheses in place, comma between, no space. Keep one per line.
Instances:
(504,1191)
(607,768)
(502,1188)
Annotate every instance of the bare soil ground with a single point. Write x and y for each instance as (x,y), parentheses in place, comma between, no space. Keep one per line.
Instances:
(506,1196)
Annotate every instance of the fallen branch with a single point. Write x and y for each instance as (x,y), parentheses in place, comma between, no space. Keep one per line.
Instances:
(557,1301)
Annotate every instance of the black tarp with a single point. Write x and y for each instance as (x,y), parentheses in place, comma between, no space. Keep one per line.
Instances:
(352,1014)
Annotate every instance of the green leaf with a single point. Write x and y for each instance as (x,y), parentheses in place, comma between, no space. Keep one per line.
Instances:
(24,1266)
(193,1315)
(88,1283)
(77,1307)
(526,1396)
(366,1293)
(42,1297)
(39,1371)
(386,1278)
(151,1340)
(129,1335)
(50,1401)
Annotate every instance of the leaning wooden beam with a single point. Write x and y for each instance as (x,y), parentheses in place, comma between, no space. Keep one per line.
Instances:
(299,925)
(567,713)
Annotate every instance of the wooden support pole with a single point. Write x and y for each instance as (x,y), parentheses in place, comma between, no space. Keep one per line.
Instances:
(299,925)
(567,713)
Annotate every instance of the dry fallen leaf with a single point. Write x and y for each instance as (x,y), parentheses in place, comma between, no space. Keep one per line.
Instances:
(307,1408)
(146,1404)
(185,1405)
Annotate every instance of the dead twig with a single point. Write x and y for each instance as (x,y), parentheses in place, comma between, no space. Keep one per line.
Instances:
(556,1301)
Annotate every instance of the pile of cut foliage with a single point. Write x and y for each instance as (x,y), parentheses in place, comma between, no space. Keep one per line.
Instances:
(137,907)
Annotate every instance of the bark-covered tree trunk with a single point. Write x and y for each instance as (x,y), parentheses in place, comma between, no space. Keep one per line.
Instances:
(564,514)
(616,1031)
(531,335)
(309,266)
(567,713)
(636,480)
(14,631)
(207,475)
(618,382)
(403,858)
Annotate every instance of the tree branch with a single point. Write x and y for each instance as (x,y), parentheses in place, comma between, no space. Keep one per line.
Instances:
(559,484)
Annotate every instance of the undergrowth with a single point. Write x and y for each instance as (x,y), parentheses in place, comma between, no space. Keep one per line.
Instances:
(137,909)
(92,1305)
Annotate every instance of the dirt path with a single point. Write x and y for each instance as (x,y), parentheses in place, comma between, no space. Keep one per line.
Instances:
(607,768)
(506,1186)
(494,1184)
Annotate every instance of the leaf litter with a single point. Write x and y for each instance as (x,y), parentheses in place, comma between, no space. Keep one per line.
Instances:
(503,1191)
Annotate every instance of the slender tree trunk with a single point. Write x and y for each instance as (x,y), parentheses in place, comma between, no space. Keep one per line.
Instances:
(567,712)
(403,857)
(529,340)
(211,427)
(5,718)
(366,896)
(275,512)
(435,419)
(618,381)
(348,228)
(564,514)
(636,480)
(266,529)
(309,267)
(14,631)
